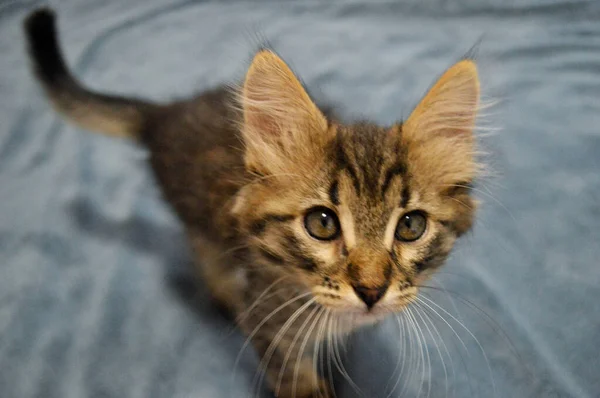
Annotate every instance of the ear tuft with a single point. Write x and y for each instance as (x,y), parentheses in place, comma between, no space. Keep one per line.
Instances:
(280,120)
(439,132)
(451,104)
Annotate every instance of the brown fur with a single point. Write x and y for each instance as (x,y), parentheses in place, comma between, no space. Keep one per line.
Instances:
(242,170)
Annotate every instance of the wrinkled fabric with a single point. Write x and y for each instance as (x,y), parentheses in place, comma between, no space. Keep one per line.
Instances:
(95,294)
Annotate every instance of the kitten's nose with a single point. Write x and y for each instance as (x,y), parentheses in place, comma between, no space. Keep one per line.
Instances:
(370,295)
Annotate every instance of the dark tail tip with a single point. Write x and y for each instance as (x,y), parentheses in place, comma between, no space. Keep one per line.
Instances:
(40,29)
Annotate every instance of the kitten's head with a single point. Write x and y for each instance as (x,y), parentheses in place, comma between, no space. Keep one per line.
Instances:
(358,214)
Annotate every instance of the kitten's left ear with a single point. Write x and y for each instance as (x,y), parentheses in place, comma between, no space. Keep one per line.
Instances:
(439,132)
(281,122)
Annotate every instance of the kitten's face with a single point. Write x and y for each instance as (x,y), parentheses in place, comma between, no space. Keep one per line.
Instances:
(358,214)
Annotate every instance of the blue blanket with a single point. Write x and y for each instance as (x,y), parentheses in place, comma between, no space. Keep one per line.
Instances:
(95,294)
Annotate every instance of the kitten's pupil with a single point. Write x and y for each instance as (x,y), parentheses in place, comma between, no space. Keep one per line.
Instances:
(325,220)
(411,226)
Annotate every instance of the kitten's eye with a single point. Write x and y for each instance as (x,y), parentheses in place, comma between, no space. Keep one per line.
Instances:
(411,226)
(322,223)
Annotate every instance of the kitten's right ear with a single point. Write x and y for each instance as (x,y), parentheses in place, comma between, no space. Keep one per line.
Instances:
(282,125)
(439,132)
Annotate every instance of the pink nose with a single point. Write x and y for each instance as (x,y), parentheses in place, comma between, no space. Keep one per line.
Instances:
(370,295)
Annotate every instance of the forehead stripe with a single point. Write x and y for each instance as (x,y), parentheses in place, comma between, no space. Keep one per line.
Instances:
(405,196)
(398,169)
(344,165)
(334,195)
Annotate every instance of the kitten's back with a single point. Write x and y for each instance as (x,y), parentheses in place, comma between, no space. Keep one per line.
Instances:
(197,156)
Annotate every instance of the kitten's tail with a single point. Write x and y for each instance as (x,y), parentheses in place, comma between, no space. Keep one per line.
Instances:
(111,115)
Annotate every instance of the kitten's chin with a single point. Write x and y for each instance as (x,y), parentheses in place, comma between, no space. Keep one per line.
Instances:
(360,316)
(358,319)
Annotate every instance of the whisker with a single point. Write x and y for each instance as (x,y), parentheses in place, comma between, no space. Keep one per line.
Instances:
(452,302)
(424,354)
(329,343)
(436,346)
(489,195)
(455,333)
(415,359)
(421,354)
(462,359)
(302,348)
(281,333)
(411,358)
(293,344)
(488,319)
(318,345)
(487,361)
(242,316)
(261,324)
(344,332)
(441,288)
(397,365)
(441,339)
(231,250)
(338,359)
(466,206)
(418,299)
(401,353)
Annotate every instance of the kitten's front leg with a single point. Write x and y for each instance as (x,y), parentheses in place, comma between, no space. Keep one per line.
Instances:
(285,342)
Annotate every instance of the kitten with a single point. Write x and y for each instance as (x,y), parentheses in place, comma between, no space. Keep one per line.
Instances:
(312,226)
